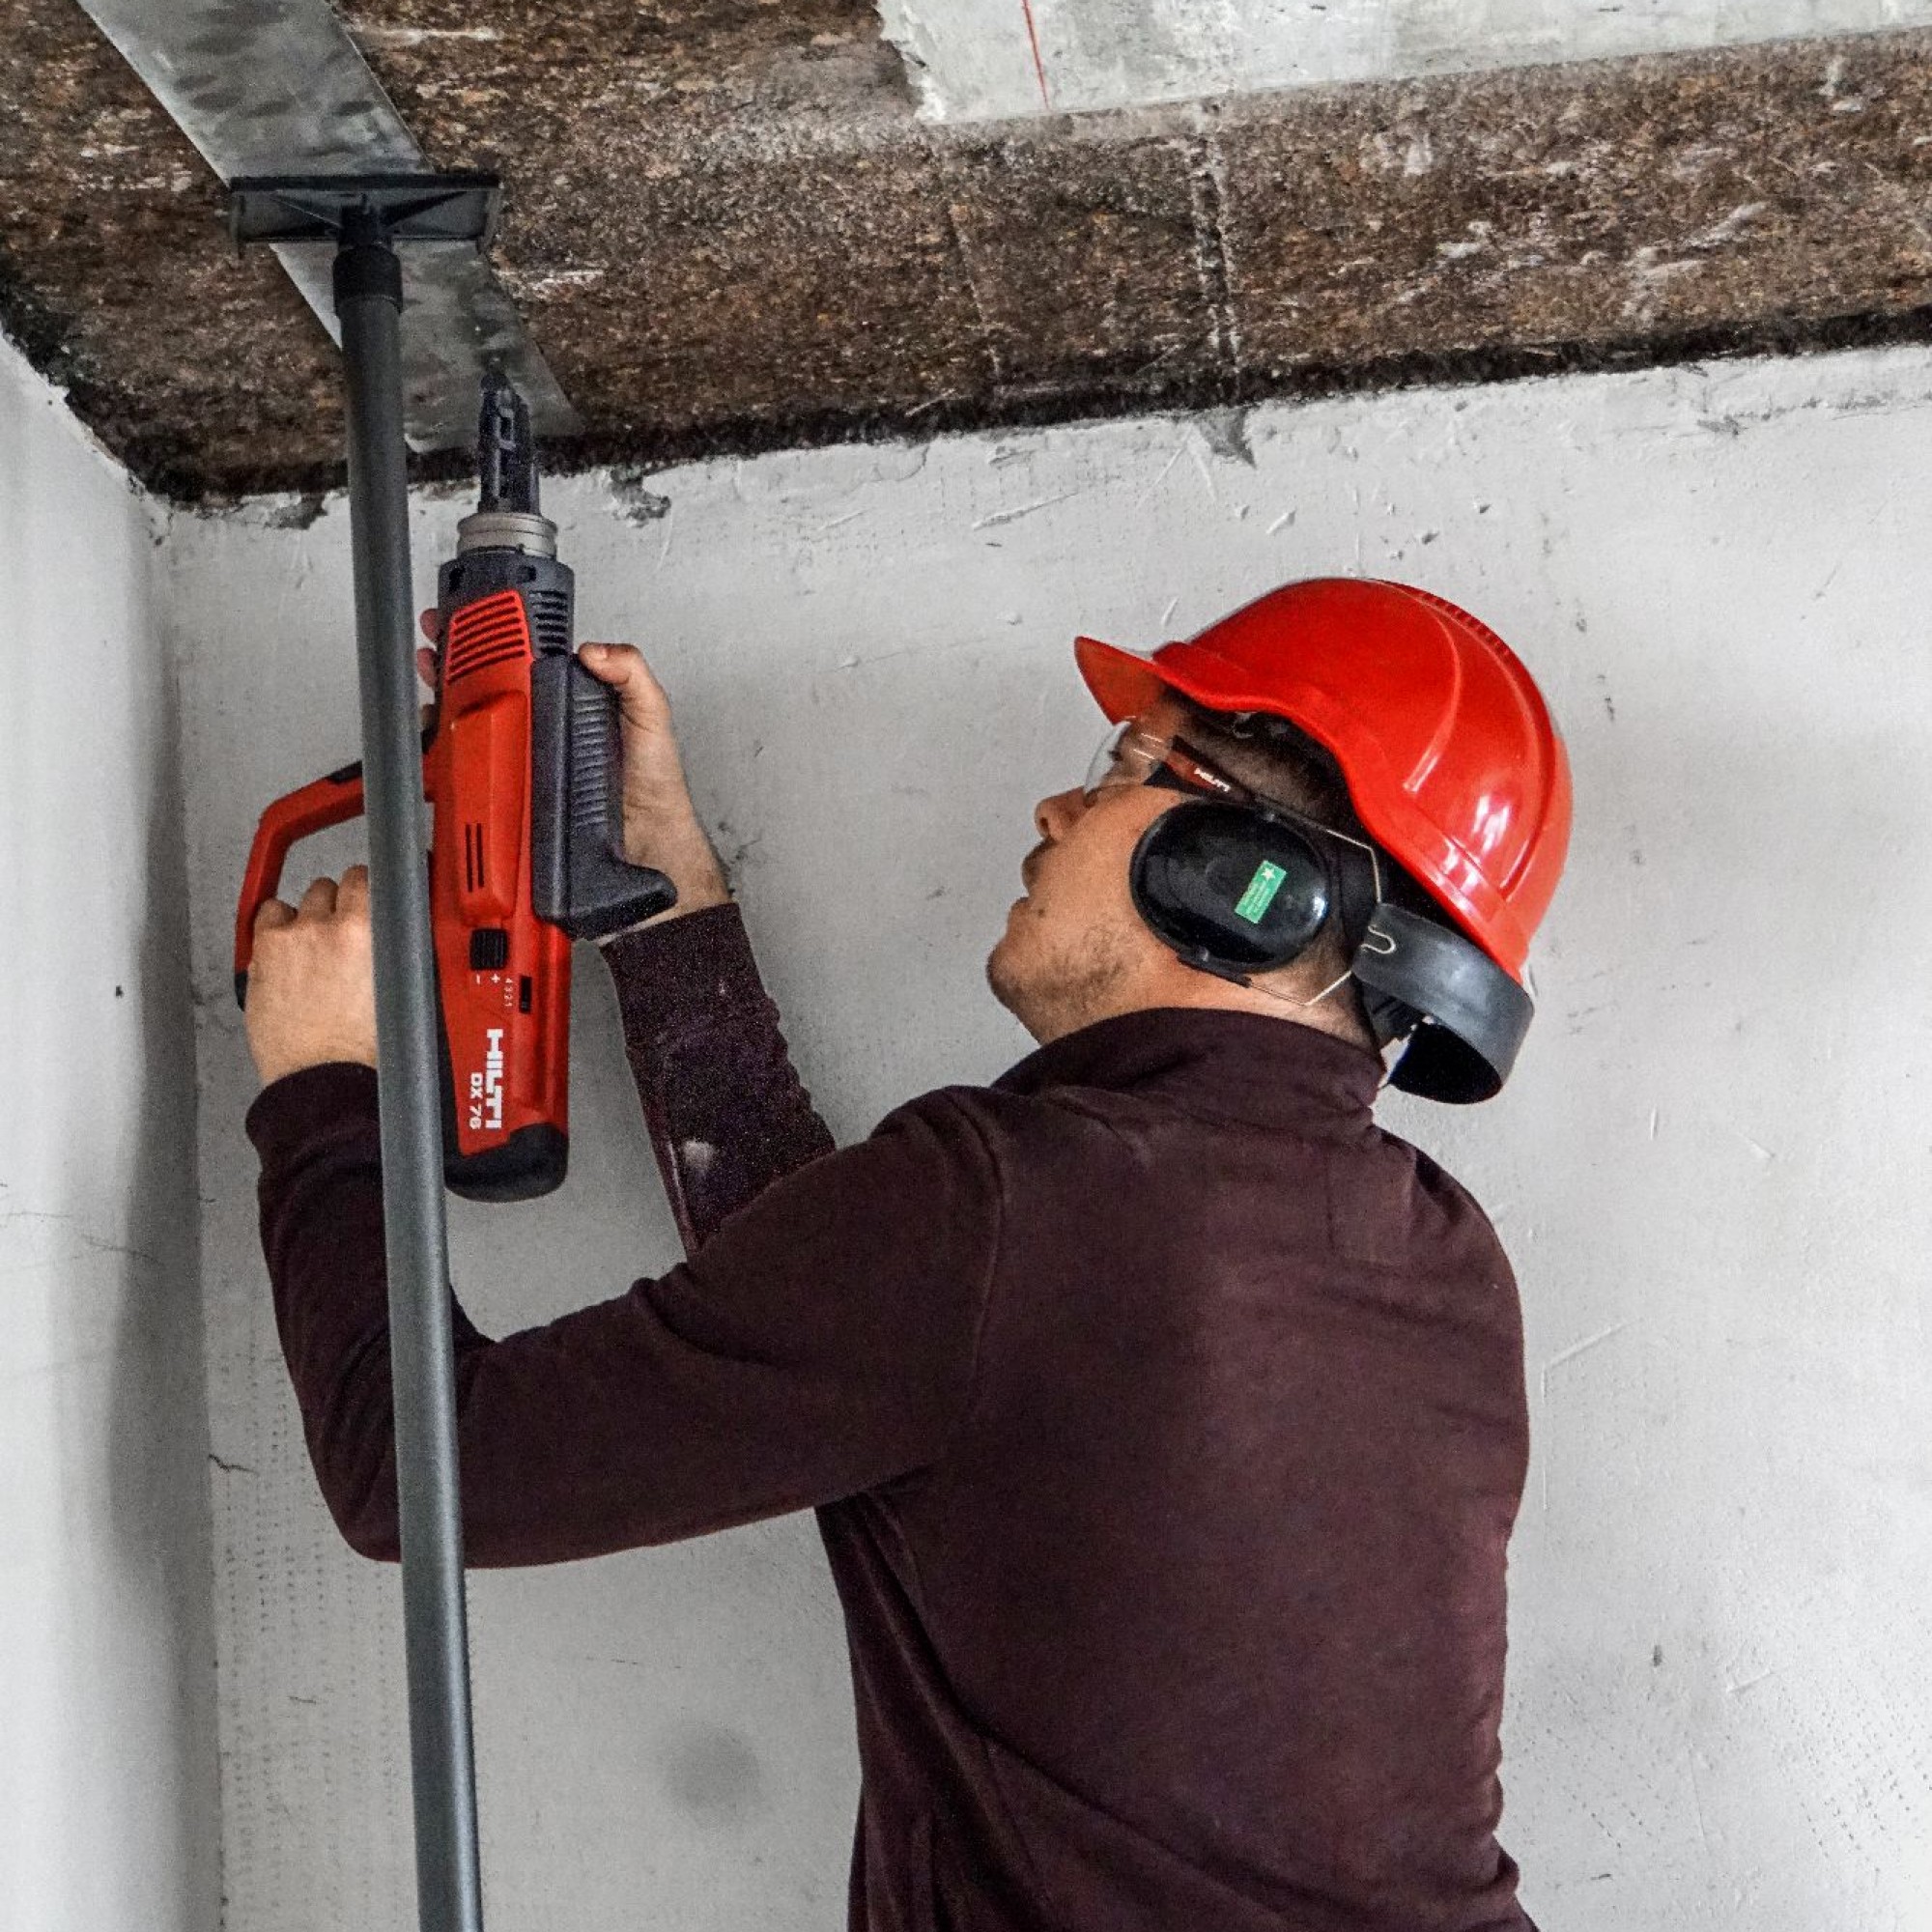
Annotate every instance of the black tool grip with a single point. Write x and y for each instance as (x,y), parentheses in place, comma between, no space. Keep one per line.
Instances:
(579,880)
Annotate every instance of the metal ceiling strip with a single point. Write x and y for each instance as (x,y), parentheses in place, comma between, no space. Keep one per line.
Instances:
(277,87)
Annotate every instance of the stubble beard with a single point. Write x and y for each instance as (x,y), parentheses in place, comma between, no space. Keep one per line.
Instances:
(1056,989)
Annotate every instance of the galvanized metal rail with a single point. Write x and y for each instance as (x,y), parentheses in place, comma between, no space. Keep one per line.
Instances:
(277,87)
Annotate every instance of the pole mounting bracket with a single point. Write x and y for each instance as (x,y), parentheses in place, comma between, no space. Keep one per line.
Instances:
(325,208)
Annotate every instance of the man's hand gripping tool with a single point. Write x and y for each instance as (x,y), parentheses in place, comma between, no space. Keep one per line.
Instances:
(522,765)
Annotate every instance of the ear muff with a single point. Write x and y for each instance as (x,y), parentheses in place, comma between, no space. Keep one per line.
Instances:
(1232,889)
(1470,1016)
(1237,891)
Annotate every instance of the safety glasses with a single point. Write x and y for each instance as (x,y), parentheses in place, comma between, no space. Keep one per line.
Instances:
(1135,753)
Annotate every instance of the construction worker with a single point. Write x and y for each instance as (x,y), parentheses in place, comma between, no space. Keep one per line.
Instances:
(1164,1418)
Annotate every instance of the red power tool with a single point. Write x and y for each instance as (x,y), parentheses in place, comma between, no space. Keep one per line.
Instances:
(520,764)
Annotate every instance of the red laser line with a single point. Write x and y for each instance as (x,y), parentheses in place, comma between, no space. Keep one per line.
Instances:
(1039,64)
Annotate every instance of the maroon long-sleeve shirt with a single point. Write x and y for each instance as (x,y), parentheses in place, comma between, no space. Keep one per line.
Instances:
(1163,1417)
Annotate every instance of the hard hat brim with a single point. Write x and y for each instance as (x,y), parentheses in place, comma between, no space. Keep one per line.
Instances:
(1123,684)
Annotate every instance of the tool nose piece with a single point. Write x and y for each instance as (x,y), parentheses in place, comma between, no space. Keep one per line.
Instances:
(506,468)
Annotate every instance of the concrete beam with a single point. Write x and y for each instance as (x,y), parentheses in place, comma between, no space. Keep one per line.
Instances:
(989,60)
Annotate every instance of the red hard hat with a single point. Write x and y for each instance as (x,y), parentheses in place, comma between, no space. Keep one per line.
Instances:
(1447,747)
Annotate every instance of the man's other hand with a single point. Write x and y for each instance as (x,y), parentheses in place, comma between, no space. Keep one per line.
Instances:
(312,982)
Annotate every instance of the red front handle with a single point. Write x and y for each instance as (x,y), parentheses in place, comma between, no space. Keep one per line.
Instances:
(333,800)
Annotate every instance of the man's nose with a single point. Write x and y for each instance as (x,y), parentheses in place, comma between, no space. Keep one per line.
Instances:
(1054,817)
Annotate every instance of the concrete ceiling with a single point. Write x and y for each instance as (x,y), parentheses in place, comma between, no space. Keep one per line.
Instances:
(733,224)
(983,60)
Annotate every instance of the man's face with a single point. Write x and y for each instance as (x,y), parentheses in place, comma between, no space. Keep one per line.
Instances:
(1074,949)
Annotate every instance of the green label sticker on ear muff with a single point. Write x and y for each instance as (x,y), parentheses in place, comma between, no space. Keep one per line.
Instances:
(1253,904)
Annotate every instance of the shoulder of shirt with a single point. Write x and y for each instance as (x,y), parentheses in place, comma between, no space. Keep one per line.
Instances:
(1001,1124)
(1462,1218)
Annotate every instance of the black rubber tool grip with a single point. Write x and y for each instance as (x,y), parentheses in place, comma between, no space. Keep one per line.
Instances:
(579,878)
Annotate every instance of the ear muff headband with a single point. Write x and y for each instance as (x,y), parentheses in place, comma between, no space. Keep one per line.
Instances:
(1233,890)
(1472,1015)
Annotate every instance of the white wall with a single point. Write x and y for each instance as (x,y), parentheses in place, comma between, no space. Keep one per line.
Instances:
(978,60)
(107,1812)
(1713,1167)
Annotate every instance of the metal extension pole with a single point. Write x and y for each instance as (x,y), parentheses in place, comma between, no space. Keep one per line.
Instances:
(369,299)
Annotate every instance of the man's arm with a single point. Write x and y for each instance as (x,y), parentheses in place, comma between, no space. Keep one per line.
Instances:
(821,1343)
(727,1113)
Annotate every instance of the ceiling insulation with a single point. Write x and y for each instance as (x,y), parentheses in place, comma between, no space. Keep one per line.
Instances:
(729,227)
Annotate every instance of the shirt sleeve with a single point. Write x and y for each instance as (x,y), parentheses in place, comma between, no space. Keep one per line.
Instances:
(724,1108)
(821,1343)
